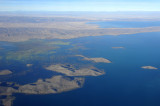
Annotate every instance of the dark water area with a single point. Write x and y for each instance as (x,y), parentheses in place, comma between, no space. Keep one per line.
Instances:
(125,82)
(126,24)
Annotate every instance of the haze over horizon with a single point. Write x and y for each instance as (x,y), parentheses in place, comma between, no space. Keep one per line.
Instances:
(79,5)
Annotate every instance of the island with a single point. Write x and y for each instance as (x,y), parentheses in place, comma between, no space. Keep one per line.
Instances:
(5,72)
(29,65)
(7,101)
(118,47)
(149,67)
(55,84)
(97,60)
(70,70)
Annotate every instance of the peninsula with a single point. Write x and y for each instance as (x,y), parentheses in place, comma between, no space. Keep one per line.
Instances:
(22,28)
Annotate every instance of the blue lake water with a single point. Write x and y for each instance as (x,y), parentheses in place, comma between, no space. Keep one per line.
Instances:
(126,24)
(125,82)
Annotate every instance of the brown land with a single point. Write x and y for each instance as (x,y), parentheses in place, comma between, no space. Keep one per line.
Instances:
(5,72)
(149,67)
(56,84)
(8,101)
(70,70)
(29,65)
(118,47)
(25,28)
(97,60)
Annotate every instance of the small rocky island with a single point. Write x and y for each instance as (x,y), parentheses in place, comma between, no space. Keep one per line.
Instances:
(29,65)
(5,72)
(70,70)
(97,60)
(118,47)
(149,67)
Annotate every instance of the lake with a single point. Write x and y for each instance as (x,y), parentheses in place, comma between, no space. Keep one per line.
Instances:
(124,83)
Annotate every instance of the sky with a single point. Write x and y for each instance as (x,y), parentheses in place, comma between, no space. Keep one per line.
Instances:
(79,5)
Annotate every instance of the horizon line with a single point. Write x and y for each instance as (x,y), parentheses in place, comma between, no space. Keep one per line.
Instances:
(73,11)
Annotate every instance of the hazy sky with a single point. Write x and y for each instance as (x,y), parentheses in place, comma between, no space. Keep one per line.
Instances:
(79,5)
